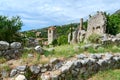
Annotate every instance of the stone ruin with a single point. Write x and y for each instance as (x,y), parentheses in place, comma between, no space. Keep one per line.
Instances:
(80,67)
(10,51)
(32,42)
(78,35)
(37,34)
(83,66)
(96,25)
(51,34)
(110,39)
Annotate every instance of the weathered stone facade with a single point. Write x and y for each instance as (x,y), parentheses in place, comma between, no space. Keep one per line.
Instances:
(78,35)
(96,24)
(37,34)
(51,34)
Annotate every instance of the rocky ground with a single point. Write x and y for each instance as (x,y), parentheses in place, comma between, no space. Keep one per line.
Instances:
(35,66)
(79,67)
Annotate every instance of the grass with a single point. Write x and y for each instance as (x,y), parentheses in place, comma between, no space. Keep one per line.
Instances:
(65,51)
(107,75)
(2,60)
(4,67)
(36,59)
(68,50)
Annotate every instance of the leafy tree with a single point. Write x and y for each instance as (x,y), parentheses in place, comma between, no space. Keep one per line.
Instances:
(113,24)
(9,28)
(62,40)
(54,43)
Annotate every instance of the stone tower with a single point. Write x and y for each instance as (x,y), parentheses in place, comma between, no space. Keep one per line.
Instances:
(51,34)
(81,24)
(96,24)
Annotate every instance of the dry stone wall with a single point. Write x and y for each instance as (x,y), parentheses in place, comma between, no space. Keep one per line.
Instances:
(10,50)
(79,67)
(108,39)
(83,67)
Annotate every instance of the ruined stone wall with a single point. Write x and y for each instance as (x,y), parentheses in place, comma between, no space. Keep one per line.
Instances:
(79,67)
(10,51)
(83,66)
(78,35)
(96,24)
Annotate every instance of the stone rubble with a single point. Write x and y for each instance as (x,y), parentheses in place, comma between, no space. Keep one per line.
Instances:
(81,67)
(39,49)
(10,51)
(20,77)
(84,66)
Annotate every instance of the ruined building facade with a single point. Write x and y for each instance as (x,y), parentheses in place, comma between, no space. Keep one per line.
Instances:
(96,24)
(51,34)
(77,35)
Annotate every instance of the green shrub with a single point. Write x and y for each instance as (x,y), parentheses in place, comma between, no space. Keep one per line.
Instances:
(54,43)
(94,38)
(62,40)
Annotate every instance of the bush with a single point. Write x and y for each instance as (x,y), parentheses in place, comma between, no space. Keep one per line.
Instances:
(94,38)
(54,42)
(62,40)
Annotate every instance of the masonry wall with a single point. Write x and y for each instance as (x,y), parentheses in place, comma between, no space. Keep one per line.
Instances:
(10,50)
(96,24)
(51,35)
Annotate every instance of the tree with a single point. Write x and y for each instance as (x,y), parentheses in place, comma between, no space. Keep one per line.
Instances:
(9,28)
(54,42)
(113,23)
(62,40)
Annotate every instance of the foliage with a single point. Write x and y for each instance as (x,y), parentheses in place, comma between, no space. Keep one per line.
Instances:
(113,23)
(94,38)
(30,34)
(62,40)
(9,28)
(64,29)
(54,42)
(85,25)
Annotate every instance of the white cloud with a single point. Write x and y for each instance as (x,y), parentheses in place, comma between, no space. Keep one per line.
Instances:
(44,13)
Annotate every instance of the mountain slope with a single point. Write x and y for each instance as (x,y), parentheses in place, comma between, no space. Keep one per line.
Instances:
(117,12)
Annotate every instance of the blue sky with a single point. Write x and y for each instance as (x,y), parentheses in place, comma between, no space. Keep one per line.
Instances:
(43,13)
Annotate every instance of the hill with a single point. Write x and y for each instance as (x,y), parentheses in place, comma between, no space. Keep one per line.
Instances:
(64,29)
(117,12)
